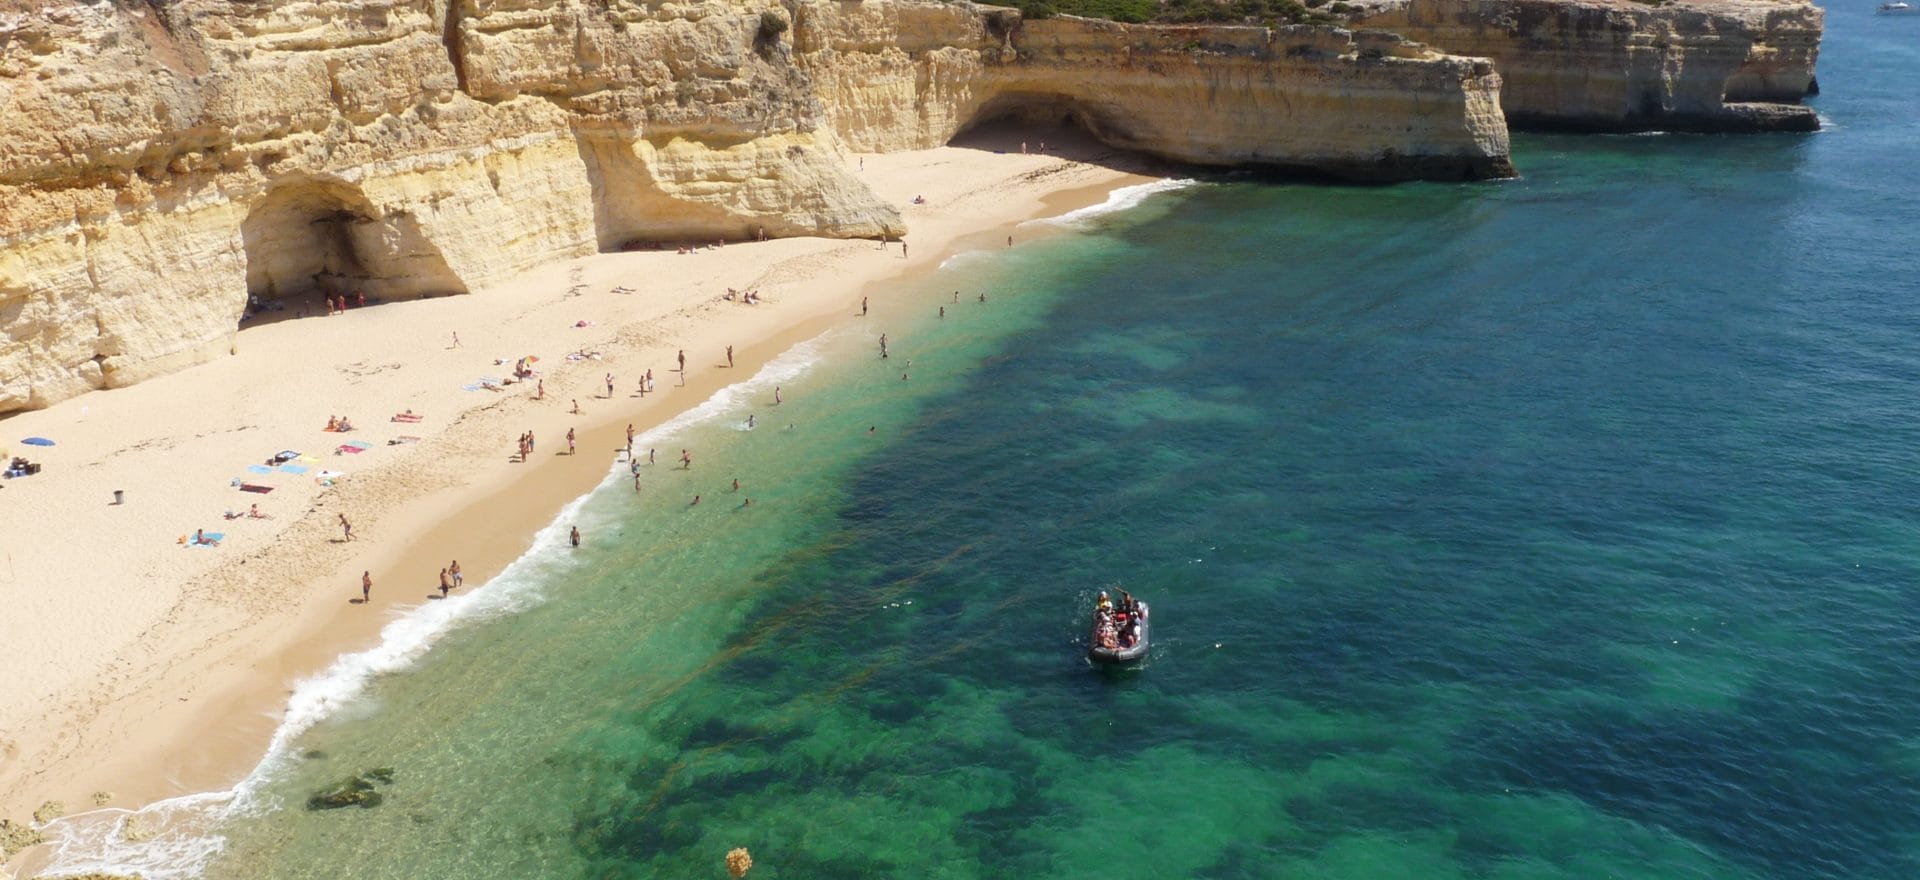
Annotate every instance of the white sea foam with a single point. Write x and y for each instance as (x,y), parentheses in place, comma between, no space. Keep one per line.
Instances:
(965,257)
(176,838)
(1119,200)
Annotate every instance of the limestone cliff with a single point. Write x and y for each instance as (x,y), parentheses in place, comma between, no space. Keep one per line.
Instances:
(1363,106)
(163,161)
(1616,65)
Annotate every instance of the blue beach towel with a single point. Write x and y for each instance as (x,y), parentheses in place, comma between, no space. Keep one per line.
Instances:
(293,468)
(211,536)
(37,441)
(259,469)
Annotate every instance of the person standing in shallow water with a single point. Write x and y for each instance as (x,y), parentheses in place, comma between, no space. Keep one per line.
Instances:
(574,536)
(446,583)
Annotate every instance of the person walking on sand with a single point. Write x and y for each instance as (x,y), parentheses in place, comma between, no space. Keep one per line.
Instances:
(609,386)
(346,528)
(570,441)
(629,439)
(458,579)
(366,587)
(649,378)
(446,583)
(683,362)
(456,339)
(574,536)
(540,386)
(729,357)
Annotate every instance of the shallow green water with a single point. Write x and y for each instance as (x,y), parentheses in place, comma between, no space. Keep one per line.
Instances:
(1554,528)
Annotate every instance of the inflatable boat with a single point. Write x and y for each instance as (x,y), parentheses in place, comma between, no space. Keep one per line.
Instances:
(1121,652)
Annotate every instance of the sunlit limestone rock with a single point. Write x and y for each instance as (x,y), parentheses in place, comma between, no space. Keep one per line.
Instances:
(1618,65)
(1356,105)
(163,164)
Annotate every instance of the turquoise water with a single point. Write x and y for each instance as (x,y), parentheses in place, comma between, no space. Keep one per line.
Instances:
(1555,528)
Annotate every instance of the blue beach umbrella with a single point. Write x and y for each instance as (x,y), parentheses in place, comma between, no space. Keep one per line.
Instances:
(37,441)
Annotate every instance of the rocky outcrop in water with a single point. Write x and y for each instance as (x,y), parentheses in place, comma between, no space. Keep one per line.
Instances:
(162,162)
(1617,65)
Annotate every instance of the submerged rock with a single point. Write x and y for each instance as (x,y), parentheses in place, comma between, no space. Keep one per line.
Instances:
(50,811)
(15,837)
(355,791)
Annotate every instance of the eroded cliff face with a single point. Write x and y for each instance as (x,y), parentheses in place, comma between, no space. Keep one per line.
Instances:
(1617,65)
(162,162)
(1363,106)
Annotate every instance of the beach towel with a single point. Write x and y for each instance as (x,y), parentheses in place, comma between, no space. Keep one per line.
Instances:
(293,469)
(211,536)
(363,444)
(348,449)
(37,441)
(402,440)
(255,488)
(259,469)
(409,418)
(285,455)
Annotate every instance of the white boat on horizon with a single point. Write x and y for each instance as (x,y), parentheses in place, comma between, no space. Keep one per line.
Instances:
(1897,7)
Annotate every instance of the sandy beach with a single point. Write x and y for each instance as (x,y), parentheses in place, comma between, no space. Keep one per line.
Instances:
(143,667)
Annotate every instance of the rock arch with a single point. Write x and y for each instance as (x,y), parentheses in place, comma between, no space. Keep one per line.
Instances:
(324,236)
